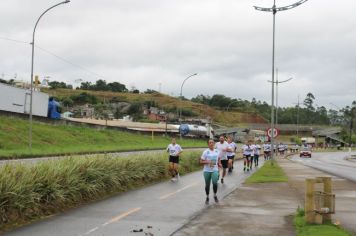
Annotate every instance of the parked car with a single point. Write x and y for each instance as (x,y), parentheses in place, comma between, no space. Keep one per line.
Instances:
(305,152)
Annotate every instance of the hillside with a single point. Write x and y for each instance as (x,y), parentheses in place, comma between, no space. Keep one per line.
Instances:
(166,102)
(61,139)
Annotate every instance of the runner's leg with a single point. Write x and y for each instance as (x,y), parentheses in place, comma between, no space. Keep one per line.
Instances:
(207,178)
(215,179)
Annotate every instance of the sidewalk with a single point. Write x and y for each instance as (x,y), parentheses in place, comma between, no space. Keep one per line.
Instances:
(268,209)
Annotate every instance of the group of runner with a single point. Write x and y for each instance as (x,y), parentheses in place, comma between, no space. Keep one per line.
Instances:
(218,160)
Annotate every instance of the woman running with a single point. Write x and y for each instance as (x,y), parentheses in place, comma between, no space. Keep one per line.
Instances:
(210,159)
(247,153)
(231,153)
(174,151)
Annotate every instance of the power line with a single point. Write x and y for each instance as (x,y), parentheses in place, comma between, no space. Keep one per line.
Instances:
(56,56)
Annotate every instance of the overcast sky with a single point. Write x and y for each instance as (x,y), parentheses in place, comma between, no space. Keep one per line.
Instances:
(156,44)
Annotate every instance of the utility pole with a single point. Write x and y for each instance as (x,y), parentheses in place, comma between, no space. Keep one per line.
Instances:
(274,10)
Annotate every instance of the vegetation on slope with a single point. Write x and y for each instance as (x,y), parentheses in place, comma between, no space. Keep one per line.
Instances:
(61,139)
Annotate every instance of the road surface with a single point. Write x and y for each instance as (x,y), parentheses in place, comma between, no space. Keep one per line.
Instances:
(335,163)
(159,209)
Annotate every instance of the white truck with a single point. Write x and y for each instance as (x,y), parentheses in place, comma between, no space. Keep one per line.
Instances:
(17,100)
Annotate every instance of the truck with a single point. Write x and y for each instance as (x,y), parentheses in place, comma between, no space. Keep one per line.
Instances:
(17,100)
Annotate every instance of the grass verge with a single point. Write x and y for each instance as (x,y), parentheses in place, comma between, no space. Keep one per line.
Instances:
(304,229)
(64,140)
(269,172)
(29,192)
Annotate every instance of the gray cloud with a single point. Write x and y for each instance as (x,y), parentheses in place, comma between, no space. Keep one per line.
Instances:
(144,43)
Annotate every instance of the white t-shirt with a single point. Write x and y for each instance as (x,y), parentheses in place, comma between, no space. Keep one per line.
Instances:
(174,149)
(281,147)
(247,149)
(213,156)
(222,150)
(232,147)
(256,149)
(267,147)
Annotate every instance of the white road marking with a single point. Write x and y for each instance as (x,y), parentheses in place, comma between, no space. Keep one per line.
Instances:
(91,231)
(179,190)
(123,215)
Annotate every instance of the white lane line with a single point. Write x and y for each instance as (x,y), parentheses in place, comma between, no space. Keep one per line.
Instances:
(179,190)
(123,215)
(91,231)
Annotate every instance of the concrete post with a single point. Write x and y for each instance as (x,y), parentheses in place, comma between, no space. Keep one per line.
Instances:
(309,201)
(328,201)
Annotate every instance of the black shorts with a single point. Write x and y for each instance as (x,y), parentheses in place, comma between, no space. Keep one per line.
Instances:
(230,157)
(224,163)
(174,159)
(267,152)
(247,157)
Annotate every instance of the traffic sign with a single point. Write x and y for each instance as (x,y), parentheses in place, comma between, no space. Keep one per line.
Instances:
(275,132)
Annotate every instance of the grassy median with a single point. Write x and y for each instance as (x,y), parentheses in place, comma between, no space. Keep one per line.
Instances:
(64,140)
(304,229)
(269,172)
(32,191)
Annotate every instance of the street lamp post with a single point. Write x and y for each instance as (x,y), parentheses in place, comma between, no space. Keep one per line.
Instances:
(181,91)
(278,82)
(228,106)
(274,10)
(32,62)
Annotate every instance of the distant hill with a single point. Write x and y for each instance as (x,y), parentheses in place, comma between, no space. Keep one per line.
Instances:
(168,103)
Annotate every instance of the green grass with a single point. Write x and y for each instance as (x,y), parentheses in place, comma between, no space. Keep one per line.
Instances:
(29,192)
(269,172)
(61,139)
(304,229)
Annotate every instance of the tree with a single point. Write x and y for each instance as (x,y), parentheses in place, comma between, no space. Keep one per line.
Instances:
(117,87)
(56,84)
(308,101)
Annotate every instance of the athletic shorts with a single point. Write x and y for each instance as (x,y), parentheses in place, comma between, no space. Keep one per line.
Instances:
(256,156)
(267,152)
(230,157)
(247,157)
(174,159)
(224,163)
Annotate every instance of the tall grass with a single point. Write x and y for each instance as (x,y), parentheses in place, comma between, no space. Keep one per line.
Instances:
(28,192)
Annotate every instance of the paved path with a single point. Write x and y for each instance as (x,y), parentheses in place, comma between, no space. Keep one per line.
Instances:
(268,209)
(159,209)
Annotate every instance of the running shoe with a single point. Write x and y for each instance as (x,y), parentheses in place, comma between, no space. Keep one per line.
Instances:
(207,201)
(216,199)
(222,180)
(244,168)
(173,179)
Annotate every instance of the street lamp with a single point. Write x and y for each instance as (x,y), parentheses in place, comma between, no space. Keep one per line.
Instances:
(181,90)
(274,10)
(32,62)
(228,106)
(278,82)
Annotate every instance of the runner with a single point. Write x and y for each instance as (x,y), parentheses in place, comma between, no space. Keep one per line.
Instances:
(174,151)
(247,151)
(256,153)
(231,153)
(210,159)
(281,149)
(222,147)
(267,150)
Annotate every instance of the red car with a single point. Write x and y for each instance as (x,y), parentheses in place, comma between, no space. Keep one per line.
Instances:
(305,152)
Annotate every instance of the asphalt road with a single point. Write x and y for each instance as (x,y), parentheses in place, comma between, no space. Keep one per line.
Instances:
(334,163)
(159,209)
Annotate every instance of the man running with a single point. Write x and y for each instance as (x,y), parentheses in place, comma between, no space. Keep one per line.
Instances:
(256,153)
(174,151)
(222,147)
(247,152)
(231,153)
(267,150)
(210,159)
